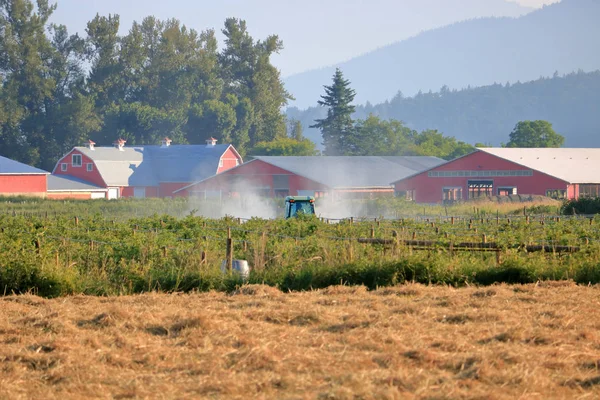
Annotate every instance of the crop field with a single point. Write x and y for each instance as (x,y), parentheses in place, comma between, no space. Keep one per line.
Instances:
(107,253)
(535,341)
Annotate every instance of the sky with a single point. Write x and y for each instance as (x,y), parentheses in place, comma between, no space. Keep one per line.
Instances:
(315,33)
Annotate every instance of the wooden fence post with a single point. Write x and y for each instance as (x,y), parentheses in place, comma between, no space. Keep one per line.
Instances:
(372,232)
(229,251)
(229,254)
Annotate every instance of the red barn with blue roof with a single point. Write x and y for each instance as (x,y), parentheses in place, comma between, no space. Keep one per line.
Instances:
(146,171)
(18,179)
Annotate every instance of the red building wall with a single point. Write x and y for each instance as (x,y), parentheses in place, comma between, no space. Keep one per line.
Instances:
(429,189)
(166,189)
(80,172)
(256,174)
(229,159)
(70,196)
(23,184)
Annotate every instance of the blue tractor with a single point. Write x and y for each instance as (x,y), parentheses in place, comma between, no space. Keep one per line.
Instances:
(295,205)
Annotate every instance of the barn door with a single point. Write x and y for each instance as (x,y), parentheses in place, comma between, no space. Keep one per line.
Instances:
(113,193)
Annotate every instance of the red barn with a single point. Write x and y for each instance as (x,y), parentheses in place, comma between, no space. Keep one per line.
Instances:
(146,171)
(18,179)
(556,173)
(355,177)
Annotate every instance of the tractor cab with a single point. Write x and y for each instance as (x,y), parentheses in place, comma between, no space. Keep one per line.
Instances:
(295,205)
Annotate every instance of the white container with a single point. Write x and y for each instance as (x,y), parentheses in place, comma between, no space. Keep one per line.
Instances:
(237,266)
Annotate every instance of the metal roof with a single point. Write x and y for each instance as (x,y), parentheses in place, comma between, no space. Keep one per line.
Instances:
(568,164)
(12,167)
(65,183)
(353,171)
(149,165)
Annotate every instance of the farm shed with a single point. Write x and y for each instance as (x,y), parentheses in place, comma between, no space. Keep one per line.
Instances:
(146,171)
(353,177)
(18,179)
(68,187)
(557,173)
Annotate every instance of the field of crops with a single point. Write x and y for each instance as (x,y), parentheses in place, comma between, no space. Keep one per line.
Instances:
(56,248)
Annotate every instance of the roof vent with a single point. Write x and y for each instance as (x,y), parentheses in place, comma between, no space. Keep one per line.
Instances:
(211,142)
(90,145)
(120,143)
(166,142)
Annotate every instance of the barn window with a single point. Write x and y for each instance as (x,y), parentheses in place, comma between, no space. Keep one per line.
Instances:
(281,182)
(408,195)
(76,160)
(479,189)
(89,167)
(63,167)
(221,163)
(237,162)
(589,190)
(507,190)
(451,194)
(557,194)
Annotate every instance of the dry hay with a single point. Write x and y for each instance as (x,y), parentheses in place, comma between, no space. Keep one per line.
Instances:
(533,341)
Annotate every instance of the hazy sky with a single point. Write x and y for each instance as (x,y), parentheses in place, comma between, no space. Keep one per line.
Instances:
(315,33)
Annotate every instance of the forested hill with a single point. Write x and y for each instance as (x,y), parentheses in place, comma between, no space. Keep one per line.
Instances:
(489,113)
(561,37)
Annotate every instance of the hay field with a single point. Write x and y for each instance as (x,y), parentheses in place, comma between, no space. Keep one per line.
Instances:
(534,341)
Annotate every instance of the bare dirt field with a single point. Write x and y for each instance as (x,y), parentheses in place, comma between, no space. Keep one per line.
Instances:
(537,341)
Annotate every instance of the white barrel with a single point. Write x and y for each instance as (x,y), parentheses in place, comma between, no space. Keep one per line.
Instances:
(237,266)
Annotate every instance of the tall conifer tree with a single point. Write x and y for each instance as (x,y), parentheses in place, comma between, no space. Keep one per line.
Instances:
(337,129)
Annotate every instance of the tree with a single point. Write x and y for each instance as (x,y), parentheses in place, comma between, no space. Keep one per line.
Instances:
(285,147)
(377,137)
(535,134)
(434,143)
(338,127)
(295,129)
(248,73)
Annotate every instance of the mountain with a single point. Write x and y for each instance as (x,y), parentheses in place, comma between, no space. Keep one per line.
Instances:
(560,37)
(488,114)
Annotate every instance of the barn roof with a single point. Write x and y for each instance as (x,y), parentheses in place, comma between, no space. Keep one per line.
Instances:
(353,171)
(12,167)
(568,164)
(149,165)
(65,183)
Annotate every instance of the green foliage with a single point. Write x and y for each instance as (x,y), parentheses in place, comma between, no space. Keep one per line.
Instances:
(535,134)
(285,147)
(54,254)
(583,205)
(377,137)
(160,79)
(337,128)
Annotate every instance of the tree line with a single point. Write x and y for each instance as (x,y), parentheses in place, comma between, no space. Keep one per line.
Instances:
(488,114)
(160,79)
(375,136)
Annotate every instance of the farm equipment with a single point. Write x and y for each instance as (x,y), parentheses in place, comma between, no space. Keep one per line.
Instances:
(295,205)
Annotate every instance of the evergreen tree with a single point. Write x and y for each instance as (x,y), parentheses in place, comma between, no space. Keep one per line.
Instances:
(337,128)
(295,129)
